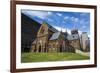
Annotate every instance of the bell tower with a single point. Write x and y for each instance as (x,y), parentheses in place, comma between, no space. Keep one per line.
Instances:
(74,31)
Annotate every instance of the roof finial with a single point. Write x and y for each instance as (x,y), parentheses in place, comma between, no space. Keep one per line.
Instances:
(61,29)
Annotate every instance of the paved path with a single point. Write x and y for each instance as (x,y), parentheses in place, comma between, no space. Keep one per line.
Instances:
(83,53)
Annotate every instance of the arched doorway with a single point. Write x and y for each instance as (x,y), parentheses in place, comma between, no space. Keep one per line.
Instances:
(39,48)
(45,48)
(60,48)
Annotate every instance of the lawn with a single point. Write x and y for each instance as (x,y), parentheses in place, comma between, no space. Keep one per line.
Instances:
(43,57)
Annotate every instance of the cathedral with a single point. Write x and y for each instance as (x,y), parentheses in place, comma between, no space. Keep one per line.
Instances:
(49,39)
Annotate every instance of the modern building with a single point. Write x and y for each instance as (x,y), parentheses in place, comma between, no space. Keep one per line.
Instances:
(85,41)
(88,45)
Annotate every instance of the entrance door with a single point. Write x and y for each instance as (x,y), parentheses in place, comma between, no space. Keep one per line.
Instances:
(60,48)
(40,48)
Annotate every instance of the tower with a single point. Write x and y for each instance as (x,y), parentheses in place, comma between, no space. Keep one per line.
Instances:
(74,31)
(84,39)
(74,39)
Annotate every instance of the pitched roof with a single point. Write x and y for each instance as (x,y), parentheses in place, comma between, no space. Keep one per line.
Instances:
(55,36)
(34,42)
(51,27)
(73,37)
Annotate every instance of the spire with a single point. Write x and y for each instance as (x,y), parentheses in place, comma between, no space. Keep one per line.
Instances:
(61,29)
(66,33)
(66,30)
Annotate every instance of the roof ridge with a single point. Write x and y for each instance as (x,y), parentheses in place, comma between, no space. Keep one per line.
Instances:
(50,26)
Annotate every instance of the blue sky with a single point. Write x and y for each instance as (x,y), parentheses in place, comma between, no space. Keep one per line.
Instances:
(62,20)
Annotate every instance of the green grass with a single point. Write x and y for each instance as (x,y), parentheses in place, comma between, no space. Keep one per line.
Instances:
(43,57)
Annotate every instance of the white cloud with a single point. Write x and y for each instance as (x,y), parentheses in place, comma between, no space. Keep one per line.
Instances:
(50,13)
(74,19)
(59,14)
(66,17)
(80,32)
(39,14)
(89,35)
